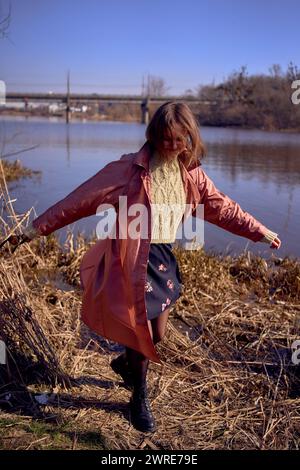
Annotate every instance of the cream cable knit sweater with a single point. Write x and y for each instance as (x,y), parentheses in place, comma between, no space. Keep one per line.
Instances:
(168,198)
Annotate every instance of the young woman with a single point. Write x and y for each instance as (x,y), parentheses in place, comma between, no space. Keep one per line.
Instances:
(131,280)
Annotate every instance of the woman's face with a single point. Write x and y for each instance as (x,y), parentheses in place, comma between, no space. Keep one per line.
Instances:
(174,143)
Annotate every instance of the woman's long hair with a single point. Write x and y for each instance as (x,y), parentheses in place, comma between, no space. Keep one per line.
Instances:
(170,115)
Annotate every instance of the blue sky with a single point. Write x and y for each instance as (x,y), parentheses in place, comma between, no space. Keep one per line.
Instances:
(109,45)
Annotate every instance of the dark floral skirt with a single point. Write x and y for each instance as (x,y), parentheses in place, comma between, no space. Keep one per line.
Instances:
(164,284)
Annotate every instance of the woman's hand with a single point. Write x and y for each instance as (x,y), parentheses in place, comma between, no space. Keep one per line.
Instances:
(275,243)
(17,240)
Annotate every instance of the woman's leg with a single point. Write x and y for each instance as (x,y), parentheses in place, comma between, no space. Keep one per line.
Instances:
(158,326)
(141,414)
(137,362)
(130,361)
(140,411)
(138,365)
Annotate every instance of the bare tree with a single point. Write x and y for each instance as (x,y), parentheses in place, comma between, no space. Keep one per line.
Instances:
(293,72)
(157,86)
(4,23)
(189,93)
(207,92)
(276,70)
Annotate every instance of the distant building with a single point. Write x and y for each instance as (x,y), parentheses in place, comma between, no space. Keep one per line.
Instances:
(2,93)
(55,107)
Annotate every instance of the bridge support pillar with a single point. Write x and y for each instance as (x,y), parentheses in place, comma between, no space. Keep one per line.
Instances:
(68,112)
(145,110)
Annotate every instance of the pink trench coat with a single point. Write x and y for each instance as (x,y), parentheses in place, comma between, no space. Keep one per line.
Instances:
(113,271)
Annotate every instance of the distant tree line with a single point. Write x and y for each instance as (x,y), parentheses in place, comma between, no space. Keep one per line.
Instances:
(254,101)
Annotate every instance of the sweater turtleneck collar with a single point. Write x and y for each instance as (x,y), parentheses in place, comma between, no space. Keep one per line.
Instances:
(156,160)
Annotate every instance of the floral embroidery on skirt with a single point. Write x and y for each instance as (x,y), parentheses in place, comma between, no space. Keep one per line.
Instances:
(163,285)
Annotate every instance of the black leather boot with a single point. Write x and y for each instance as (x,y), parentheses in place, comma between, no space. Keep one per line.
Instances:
(140,412)
(120,366)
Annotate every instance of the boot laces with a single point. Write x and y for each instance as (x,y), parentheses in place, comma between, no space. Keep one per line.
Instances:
(142,396)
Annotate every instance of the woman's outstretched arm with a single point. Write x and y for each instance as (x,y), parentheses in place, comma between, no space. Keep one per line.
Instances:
(102,188)
(221,210)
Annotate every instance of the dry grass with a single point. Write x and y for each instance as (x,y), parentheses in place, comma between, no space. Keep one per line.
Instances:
(227,380)
(15,170)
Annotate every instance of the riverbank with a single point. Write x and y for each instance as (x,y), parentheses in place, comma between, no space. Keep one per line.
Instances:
(227,351)
(131,116)
(76,116)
